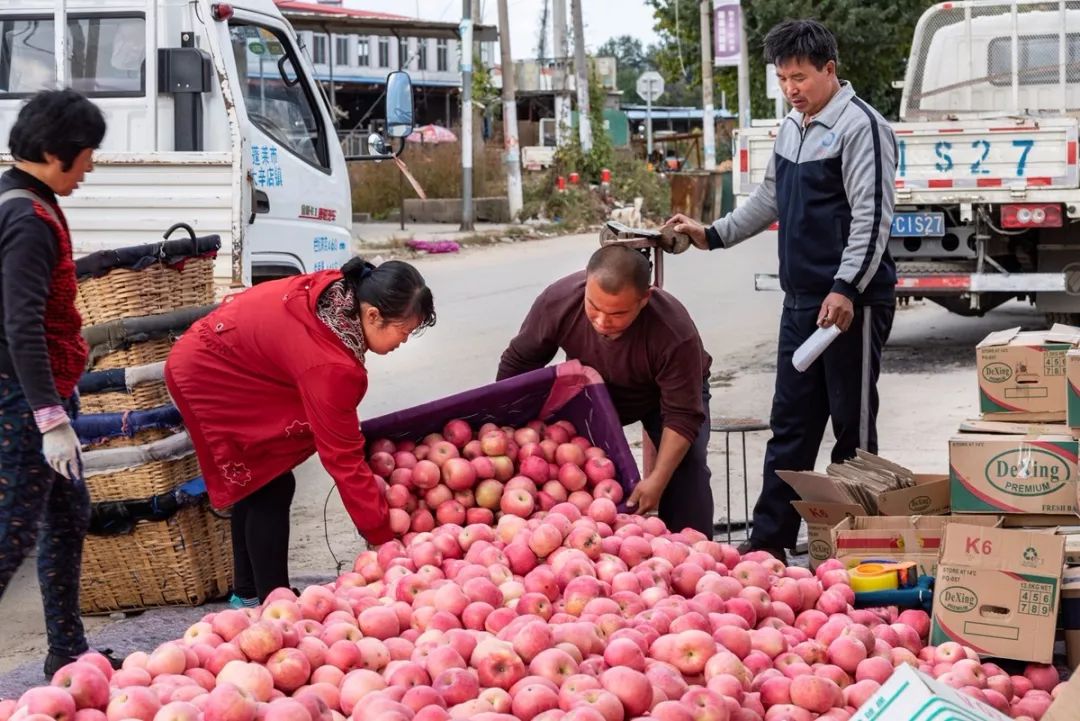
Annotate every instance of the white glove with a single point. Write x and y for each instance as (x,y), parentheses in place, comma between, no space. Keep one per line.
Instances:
(62,451)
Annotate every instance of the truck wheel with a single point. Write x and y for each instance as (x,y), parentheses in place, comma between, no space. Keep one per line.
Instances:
(1066,318)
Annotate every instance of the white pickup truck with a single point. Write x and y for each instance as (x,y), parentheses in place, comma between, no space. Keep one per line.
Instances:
(988,181)
(214,119)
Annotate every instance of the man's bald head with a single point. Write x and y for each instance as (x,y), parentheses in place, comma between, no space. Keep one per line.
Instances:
(617,267)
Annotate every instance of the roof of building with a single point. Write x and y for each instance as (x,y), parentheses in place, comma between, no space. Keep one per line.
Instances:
(336,10)
(344,21)
(670,112)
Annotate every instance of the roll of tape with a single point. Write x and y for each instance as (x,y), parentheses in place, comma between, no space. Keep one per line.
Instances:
(872,577)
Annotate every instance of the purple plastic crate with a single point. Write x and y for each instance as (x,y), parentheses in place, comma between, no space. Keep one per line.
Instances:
(567,391)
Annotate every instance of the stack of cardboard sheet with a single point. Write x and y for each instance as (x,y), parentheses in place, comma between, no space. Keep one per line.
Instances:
(866,477)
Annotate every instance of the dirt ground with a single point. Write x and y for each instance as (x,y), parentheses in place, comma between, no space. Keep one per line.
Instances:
(927,388)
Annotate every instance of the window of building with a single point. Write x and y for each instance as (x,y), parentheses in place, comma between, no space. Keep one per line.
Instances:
(384,52)
(421,54)
(403,53)
(363,52)
(442,55)
(341,50)
(318,49)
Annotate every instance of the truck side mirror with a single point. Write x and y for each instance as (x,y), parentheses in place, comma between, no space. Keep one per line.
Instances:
(399,120)
(399,104)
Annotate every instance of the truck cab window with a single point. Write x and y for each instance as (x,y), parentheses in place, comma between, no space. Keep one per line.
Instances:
(277,97)
(106,55)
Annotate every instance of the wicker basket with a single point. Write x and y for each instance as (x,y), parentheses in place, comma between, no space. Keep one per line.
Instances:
(185,560)
(152,351)
(124,293)
(145,481)
(138,439)
(141,398)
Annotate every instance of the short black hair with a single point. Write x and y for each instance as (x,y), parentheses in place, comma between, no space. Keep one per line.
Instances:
(617,266)
(59,122)
(801,40)
(395,288)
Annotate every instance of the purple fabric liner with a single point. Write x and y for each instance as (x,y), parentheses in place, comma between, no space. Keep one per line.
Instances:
(518,400)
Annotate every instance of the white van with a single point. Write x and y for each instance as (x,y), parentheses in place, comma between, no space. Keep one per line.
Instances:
(214,120)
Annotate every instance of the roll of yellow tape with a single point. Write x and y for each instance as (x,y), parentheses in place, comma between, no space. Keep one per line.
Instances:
(873,577)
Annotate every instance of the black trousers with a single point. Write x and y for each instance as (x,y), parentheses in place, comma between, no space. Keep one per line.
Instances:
(260,538)
(687,501)
(841,385)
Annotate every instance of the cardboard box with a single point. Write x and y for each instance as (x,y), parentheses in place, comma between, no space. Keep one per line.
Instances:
(897,538)
(1072,544)
(1068,700)
(998,591)
(1022,374)
(1014,428)
(820,519)
(1070,615)
(1072,389)
(1013,474)
(928,497)
(910,695)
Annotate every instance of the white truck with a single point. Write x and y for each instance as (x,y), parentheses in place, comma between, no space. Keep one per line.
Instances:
(214,119)
(987,184)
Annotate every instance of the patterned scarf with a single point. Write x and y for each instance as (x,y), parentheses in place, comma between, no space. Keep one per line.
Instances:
(334,309)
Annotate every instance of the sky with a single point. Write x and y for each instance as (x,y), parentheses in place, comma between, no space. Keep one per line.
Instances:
(603,19)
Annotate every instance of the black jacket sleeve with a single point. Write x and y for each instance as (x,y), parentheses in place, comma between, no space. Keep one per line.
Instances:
(28,254)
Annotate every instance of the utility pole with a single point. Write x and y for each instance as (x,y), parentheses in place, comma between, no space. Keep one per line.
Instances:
(744,76)
(562,96)
(708,123)
(466,116)
(512,156)
(581,69)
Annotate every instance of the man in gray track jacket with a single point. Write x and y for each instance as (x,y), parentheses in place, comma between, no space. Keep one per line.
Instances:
(830,184)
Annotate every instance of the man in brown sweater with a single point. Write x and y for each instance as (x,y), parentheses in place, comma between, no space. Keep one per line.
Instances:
(648,351)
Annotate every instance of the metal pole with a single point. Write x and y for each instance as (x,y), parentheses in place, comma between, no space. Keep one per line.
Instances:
(151,72)
(262,86)
(780,106)
(562,98)
(582,71)
(1015,61)
(466,116)
(510,126)
(707,119)
(330,66)
(648,126)
(60,42)
(744,76)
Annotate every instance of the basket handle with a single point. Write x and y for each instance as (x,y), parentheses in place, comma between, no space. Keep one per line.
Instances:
(180,226)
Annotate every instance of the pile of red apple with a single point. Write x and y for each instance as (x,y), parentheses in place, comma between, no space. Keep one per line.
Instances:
(461,478)
(563,614)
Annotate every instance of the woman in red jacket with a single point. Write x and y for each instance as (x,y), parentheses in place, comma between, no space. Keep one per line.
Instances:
(275,374)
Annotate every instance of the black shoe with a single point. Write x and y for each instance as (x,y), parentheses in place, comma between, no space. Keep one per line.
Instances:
(748,546)
(54,661)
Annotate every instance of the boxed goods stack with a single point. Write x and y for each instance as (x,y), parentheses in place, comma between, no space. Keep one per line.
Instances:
(154,540)
(1008,464)
(1002,590)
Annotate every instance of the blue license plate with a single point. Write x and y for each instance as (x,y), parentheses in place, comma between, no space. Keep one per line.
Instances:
(918,225)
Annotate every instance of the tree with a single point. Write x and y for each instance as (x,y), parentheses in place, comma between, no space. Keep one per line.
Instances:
(874,37)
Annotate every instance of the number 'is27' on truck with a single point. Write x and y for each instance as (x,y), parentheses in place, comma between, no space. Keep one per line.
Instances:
(215,119)
(987,178)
